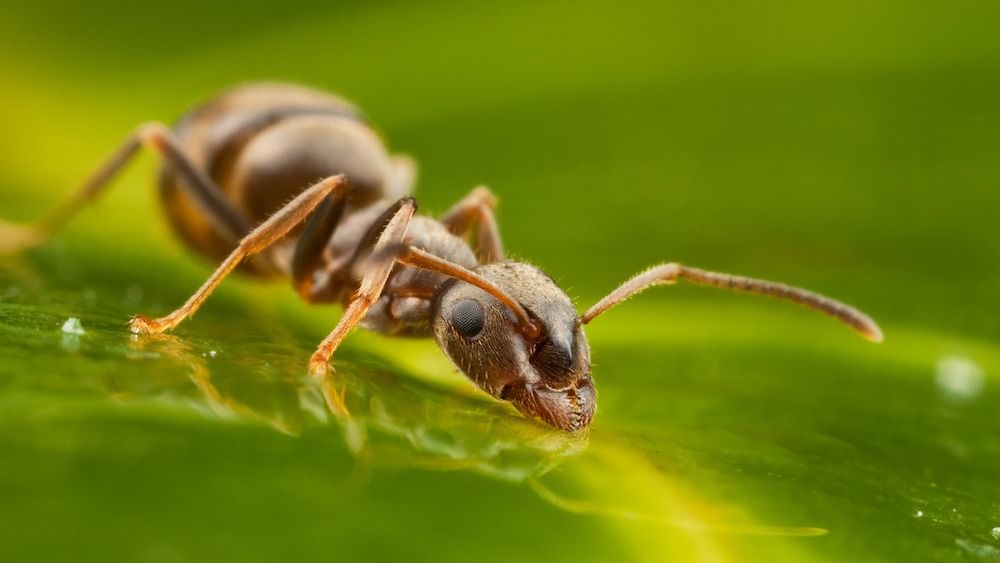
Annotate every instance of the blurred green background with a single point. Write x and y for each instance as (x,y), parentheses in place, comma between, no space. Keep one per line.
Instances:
(851,148)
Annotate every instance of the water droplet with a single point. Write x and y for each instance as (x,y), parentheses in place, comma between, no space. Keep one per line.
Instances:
(72,330)
(995,532)
(73,326)
(919,514)
(960,377)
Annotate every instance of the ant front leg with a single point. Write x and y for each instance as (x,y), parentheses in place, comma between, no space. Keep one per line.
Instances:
(476,209)
(269,232)
(224,217)
(369,290)
(367,294)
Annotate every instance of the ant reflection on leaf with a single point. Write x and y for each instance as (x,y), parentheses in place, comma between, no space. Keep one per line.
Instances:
(385,419)
(400,421)
(390,421)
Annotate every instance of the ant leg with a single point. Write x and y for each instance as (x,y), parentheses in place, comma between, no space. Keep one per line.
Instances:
(156,136)
(270,231)
(477,209)
(308,258)
(368,291)
(308,255)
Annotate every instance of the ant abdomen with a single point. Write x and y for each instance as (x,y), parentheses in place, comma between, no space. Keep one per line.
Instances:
(263,144)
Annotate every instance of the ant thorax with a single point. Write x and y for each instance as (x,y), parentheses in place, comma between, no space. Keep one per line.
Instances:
(406,305)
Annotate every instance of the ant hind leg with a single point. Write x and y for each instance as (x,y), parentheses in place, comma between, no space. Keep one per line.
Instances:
(157,136)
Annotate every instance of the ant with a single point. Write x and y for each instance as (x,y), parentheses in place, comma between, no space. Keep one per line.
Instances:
(238,184)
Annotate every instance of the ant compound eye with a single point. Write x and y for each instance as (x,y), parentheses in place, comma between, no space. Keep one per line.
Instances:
(468,318)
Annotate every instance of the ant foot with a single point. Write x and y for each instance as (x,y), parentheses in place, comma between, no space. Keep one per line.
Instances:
(319,368)
(139,324)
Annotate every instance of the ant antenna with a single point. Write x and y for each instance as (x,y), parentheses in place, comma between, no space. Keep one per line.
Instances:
(412,256)
(670,273)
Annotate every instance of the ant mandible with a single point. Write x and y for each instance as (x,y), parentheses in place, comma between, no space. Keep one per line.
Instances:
(238,184)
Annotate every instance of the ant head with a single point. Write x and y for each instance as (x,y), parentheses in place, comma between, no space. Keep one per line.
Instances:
(540,362)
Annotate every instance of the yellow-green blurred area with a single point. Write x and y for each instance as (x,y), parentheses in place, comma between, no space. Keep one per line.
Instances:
(852,148)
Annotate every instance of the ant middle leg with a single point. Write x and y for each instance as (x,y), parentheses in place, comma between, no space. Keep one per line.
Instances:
(308,254)
(266,234)
(476,210)
(156,136)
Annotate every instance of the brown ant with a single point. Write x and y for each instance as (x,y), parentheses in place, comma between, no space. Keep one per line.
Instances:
(238,183)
